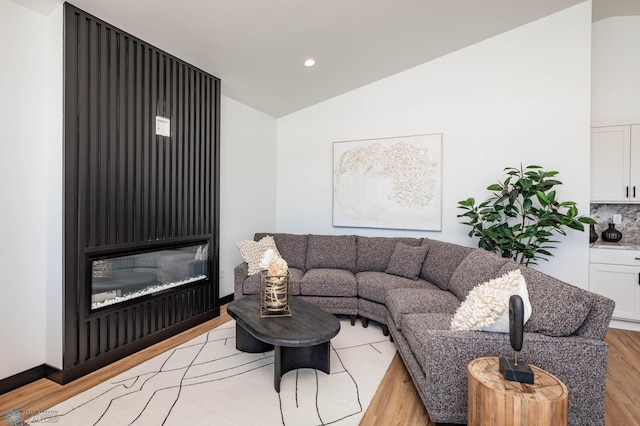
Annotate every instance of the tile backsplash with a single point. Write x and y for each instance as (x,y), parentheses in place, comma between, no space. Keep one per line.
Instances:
(630,226)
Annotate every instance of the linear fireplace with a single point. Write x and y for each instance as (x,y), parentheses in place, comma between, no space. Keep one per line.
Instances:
(117,279)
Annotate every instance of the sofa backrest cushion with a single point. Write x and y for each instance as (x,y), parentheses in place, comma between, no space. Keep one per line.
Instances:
(374,253)
(478,267)
(331,251)
(442,260)
(406,261)
(557,308)
(292,248)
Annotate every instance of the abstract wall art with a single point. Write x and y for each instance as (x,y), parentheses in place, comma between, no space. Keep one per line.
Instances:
(393,183)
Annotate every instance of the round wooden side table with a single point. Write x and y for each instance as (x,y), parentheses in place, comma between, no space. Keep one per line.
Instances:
(495,401)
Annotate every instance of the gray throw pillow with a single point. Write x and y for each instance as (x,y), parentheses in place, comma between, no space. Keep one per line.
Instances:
(406,261)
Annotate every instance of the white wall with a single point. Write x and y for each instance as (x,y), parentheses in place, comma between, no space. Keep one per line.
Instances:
(616,71)
(23,164)
(522,96)
(54,182)
(248,181)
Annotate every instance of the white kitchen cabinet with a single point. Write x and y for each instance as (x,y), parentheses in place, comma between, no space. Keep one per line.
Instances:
(616,275)
(615,164)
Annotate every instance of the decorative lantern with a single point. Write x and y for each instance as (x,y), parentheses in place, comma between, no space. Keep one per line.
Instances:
(275,295)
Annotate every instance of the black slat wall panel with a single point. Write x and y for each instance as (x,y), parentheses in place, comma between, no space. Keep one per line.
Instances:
(127,189)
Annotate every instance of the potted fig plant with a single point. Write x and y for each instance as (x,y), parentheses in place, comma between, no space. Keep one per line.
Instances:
(522,217)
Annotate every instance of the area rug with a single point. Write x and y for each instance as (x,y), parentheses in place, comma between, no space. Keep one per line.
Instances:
(206,381)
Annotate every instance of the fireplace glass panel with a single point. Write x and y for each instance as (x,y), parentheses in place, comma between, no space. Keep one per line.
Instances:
(121,278)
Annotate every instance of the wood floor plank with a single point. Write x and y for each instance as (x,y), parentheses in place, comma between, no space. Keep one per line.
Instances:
(622,405)
(396,401)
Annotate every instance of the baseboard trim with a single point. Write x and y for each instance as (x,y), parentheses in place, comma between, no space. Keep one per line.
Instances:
(21,379)
(226,299)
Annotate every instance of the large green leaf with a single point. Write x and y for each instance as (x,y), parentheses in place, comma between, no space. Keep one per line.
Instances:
(587,220)
(542,198)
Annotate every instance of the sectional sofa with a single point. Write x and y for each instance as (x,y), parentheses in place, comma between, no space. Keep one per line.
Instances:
(413,286)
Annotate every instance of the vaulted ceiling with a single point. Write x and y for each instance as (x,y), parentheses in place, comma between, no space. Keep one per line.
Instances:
(257,47)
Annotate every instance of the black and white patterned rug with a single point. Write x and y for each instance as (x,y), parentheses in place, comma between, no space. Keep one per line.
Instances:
(206,381)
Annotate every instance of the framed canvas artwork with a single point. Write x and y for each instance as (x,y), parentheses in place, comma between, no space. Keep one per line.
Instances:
(393,183)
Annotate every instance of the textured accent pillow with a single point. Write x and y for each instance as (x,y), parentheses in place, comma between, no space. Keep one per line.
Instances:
(406,261)
(252,252)
(374,253)
(486,307)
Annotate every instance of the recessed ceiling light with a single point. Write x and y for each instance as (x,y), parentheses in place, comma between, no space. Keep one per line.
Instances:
(309,62)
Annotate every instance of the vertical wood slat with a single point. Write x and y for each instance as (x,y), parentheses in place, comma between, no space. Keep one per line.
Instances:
(173,173)
(120,140)
(179,148)
(131,141)
(82,171)
(160,144)
(102,333)
(139,137)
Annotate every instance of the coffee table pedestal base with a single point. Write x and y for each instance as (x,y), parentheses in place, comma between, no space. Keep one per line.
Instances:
(286,358)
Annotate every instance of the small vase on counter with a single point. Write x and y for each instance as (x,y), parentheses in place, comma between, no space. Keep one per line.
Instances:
(611,234)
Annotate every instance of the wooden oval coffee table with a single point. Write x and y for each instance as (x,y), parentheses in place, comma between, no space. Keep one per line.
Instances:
(298,341)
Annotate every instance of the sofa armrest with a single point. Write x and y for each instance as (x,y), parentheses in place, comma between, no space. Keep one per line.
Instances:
(579,362)
(239,275)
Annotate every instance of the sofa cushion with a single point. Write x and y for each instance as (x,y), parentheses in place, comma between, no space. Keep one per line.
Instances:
(331,251)
(486,307)
(478,267)
(557,308)
(374,285)
(251,284)
(373,253)
(252,252)
(328,282)
(406,261)
(442,260)
(292,248)
(430,299)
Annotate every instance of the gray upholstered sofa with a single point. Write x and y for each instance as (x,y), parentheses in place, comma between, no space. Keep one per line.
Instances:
(413,290)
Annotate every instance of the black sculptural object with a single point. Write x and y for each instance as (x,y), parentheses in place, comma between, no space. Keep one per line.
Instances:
(513,369)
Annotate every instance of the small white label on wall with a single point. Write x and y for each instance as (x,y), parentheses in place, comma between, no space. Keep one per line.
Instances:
(163,126)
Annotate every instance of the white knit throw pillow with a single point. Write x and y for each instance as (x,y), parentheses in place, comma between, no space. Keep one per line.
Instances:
(486,307)
(252,252)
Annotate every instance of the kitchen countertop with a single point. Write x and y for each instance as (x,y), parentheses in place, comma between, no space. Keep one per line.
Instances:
(620,245)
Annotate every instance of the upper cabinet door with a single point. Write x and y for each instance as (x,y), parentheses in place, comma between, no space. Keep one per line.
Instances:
(634,164)
(611,164)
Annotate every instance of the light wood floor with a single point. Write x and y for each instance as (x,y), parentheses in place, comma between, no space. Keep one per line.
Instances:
(396,401)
